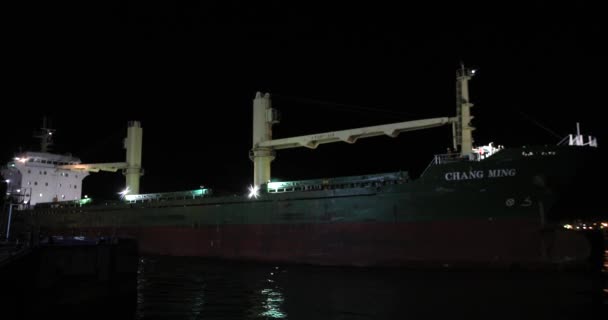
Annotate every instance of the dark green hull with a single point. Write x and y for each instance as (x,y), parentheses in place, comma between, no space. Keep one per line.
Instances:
(499,211)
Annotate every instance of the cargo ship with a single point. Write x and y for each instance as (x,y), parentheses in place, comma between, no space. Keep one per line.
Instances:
(486,206)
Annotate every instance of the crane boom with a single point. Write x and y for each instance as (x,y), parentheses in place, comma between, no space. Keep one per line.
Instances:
(352,135)
(95,167)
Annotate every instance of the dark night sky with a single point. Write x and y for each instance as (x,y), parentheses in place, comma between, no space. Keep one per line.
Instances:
(93,67)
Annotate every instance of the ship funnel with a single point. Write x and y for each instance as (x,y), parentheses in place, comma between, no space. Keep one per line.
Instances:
(133,145)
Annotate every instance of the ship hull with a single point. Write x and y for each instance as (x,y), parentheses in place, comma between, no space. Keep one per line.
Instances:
(491,213)
(464,243)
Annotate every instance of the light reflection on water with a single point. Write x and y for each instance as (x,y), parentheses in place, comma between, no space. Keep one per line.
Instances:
(193,288)
(272,298)
(272,305)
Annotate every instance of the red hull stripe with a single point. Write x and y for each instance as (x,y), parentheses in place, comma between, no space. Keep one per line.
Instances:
(515,241)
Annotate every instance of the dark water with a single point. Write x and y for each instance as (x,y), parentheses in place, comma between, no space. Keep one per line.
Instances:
(193,288)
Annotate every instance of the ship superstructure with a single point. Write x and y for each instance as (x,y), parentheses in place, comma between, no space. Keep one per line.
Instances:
(37,177)
(45,177)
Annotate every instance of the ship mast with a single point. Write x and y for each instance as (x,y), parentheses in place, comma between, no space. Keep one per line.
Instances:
(45,135)
(264,116)
(461,127)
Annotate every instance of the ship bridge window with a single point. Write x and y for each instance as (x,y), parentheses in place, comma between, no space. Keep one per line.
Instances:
(74,186)
(29,171)
(35,183)
(44,172)
(46,184)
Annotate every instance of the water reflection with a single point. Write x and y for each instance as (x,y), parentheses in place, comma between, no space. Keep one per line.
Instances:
(270,299)
(192,288)
(272,305)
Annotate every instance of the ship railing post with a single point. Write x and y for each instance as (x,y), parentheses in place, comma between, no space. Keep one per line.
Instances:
(8,223)
(541,209)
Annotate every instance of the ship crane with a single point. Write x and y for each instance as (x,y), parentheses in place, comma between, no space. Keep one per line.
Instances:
(131,168)
(264,116)
(263,146)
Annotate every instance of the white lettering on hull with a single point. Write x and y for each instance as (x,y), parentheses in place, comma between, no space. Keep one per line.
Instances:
(479,174)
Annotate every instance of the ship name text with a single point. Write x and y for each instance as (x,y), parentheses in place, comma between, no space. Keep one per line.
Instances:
(479,174)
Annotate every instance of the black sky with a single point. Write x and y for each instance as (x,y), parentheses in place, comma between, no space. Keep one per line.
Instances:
(189,72)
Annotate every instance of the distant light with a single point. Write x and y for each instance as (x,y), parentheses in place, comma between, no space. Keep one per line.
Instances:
(254,192)
(604,224)
(7,180)
(473,71)
(25,201)
(567,226)
(18,190)
(85,196)
(41,194)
